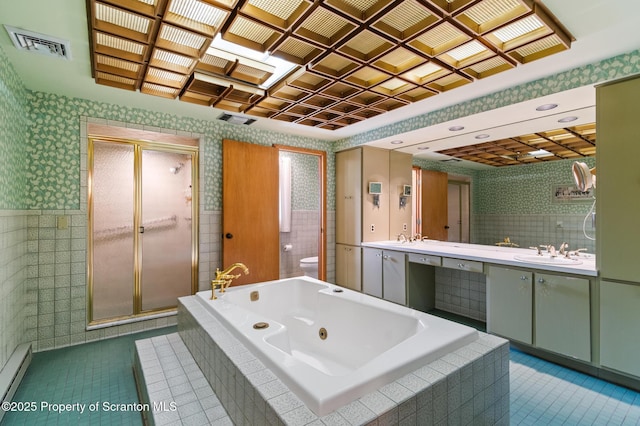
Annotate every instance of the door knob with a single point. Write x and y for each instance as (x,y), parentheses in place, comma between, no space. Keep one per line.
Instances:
(446,227)
(228,235)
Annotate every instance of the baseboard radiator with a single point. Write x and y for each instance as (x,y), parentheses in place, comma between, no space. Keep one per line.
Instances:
(13,371)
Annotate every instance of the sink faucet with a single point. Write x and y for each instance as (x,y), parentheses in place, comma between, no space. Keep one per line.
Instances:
(563,246)
(402,238)
(224,278)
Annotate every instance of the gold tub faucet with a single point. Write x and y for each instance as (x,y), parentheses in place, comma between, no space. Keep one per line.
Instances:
(224,278)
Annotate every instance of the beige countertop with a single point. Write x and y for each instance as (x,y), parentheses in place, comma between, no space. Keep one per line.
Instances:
(584,264)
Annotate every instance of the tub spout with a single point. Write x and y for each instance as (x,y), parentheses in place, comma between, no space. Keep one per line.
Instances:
(214,284)
(225,277)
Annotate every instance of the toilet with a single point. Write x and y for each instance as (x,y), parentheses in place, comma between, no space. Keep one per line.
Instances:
(309,266)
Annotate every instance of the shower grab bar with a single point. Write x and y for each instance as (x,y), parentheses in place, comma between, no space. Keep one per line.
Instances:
(121,231)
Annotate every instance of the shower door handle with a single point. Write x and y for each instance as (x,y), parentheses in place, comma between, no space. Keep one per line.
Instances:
(141,229)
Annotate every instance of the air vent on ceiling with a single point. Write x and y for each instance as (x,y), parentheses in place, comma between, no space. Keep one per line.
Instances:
(39,43)
(236,119)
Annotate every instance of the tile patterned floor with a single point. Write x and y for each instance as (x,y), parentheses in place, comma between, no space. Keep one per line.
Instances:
(542,393)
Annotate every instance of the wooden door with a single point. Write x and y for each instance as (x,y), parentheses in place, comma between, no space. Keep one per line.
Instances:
(250,231)
(434,205)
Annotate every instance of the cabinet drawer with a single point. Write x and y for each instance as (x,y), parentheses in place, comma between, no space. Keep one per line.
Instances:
(463,265)
(425,259)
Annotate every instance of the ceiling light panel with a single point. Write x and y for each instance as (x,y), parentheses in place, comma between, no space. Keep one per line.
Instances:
(251,34)
(172,61)
(335,65)
(281,13)
(159,90)
(115,81)
(117,66)
(365,46)
(145,7)
(425,73)
(296,51)
(406,20)
(360,10)
(488,67)
(196,16)
(181,41)
(122,22)
(111,45)
(441,38)
(489,14)
(324,27)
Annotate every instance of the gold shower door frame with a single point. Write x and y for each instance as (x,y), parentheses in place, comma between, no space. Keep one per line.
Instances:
(140,146)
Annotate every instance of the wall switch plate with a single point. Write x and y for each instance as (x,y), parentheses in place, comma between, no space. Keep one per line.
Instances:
(373,227)
(62,222)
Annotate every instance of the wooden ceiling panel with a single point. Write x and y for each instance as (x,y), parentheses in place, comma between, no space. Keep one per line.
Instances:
(350,59)
(565,143)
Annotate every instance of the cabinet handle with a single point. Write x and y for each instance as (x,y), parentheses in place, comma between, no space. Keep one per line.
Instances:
(379,254)
(523,278)
(461,265)
(541,280)
(385,257)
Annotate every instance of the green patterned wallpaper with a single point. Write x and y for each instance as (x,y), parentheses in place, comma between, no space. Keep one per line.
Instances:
(305,182)
(525,189)
(54,149)
(14,127)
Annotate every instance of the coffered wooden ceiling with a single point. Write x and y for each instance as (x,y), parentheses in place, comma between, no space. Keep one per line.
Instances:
(355,58)
(561,144)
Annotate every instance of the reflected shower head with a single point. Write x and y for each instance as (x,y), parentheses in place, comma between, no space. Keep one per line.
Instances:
(175,170)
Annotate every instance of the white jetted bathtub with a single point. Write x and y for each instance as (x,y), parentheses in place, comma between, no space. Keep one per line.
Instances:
(331,345)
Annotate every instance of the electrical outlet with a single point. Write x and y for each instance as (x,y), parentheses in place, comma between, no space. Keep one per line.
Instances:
(404,227)
(373,227)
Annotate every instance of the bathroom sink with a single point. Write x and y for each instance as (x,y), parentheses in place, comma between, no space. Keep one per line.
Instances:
(546,260)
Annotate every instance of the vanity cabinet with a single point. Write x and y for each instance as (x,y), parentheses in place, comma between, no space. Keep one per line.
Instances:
(619,325)
(463,265)
(549,311)
(562,315)
(349,266)
(384,274)
(510,303)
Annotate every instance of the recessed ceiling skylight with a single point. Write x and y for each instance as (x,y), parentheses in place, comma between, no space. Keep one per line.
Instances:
(540,153)
(396,142)
(456,128)
(482,136)
(282,67)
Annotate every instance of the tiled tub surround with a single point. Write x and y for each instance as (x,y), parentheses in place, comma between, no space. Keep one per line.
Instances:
(332,345)
(467,386)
